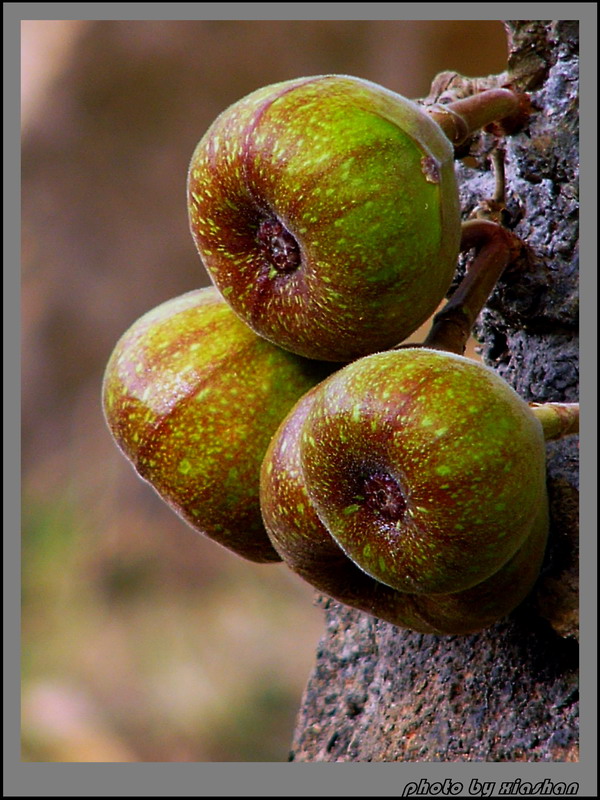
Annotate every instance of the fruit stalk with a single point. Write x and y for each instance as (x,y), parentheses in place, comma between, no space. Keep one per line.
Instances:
(557,419)
(461,118)
(497,247)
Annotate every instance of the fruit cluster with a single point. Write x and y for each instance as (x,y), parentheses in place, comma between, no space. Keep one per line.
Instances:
(277,412)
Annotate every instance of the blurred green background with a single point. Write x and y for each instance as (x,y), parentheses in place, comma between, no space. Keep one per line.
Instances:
(142,641)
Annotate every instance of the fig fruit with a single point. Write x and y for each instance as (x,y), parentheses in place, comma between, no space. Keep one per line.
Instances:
(192,396)
(412,484)
(326,211)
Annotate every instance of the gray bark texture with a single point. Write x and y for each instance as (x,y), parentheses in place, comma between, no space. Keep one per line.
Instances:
(510,693)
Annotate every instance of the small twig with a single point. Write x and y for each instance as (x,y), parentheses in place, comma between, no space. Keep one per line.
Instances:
(494,208)
(496,247)
(499,175)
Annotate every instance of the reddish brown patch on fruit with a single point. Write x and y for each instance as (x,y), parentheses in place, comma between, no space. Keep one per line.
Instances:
(278,245)
(384,495)
(431,169)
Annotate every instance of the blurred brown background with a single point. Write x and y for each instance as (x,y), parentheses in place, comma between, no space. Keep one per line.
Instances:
(141,640)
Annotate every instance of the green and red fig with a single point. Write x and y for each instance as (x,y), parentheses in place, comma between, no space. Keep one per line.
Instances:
(326,211)
(412,484)
(304,543)
(192,396)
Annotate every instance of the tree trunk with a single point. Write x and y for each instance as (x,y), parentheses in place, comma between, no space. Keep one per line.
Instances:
(510,693)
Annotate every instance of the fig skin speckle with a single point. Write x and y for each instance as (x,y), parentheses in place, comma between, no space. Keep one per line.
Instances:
(192,396)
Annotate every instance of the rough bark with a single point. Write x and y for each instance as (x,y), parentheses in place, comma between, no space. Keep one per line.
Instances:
(510,693)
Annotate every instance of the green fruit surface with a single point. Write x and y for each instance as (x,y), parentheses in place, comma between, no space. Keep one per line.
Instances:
(305,544)
(192,397)
(364,182)
(426,468)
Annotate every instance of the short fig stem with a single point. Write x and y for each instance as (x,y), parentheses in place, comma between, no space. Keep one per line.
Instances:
(497,247)
(557,419)
(461,118)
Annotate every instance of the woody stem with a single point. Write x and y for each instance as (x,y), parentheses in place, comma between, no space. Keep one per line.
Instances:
(496,248)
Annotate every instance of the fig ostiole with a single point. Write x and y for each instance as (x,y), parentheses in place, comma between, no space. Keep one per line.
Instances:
(192,396)
(426,472)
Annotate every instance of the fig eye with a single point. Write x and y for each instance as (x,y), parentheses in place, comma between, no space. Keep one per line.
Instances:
(278,245)
(384,495)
